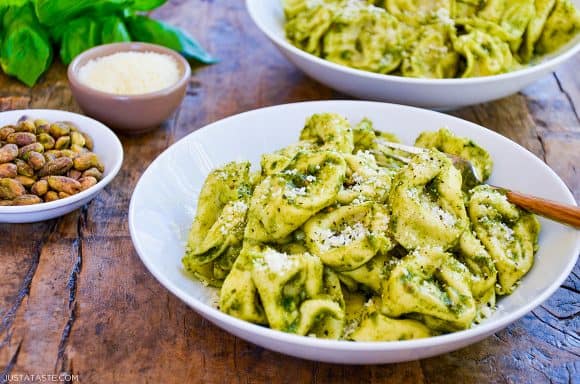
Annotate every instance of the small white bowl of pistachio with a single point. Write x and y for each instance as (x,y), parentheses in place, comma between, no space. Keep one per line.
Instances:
(52,162)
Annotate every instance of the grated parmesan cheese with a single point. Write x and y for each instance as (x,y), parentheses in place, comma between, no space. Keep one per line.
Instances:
(348,235)
(130,73)
(276,261)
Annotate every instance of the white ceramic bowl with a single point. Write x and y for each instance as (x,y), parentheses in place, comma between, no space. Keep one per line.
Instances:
(164,202)
(441,94)
(107,147)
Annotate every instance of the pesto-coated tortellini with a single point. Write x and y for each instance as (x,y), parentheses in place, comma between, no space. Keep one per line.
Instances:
(543,8)
(508,233)
(365,180)
(465,8)
(329,131)
(348,236)
(483,273)
(275,162)
(284,201)
(308,23)
(427,208)
(413,37)
(485,54)
(511,16)
(445,141)
(560,27)
(417,12)
(215,238)
(298,293)
(374,326)
(431,284)
(432,54)
(364,37)
(340,236)
(368,275)
(238,294)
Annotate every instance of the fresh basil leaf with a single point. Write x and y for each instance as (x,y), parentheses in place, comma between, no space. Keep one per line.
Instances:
(21,13)
(55,12)
(80,35)
(142,28)
(113,30)
(26,52)
(147,5)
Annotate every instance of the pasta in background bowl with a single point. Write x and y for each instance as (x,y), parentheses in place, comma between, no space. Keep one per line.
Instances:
(164,203)
(269,16)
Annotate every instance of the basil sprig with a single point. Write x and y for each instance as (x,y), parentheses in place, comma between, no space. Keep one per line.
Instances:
(31,29)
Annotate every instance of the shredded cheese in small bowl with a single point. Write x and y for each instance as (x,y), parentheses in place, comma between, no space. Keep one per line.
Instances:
(130,73)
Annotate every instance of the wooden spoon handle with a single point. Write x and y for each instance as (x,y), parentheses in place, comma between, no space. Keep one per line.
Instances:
(562,213)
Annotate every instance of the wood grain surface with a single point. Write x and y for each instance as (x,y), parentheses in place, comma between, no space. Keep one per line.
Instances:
(75,298)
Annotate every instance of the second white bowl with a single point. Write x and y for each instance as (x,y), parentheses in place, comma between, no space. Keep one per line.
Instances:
(440,94)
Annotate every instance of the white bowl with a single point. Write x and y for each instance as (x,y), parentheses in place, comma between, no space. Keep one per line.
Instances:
(441,94)
(164,202)
(107,147)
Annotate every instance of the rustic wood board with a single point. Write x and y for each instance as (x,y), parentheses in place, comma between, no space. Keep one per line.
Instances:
(75,297)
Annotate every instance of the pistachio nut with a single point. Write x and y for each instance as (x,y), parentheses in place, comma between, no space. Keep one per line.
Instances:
(76,138)
(58,166)
(74,174)
(94,172)
(41,126)
(88,141)
(87,182)
(51,196)
(62,142)
(59,129)
(26,181)
(46,140)
(24,168)
(26,126)
(88,160)
(36,147)
(36,160)
(8,170)
(10,189)
(8,153)
(64,184)
(40,188)
(27,199)
(5,131)
(21,138)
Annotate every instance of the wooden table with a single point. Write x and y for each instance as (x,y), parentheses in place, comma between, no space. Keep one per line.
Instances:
(75,298)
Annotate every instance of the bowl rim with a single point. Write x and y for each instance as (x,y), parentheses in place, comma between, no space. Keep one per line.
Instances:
(552,60)
(41,207)
(132,46)
(228,322)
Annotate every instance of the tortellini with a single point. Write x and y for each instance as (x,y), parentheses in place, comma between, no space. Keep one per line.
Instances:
(431,38)
(340,236)
(349,236)
(485,54)
(364,37)
(298,294)
(426,201)
(445,141)
(432,284)
(432,54)
(508,233)
(215,238)
(560,27)
(282,202)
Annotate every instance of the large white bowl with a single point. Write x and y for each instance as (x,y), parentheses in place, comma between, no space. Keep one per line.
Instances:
(164,202)
(268,15)
(107,147)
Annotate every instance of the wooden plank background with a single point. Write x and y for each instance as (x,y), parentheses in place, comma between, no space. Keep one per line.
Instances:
(75,298)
